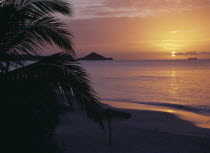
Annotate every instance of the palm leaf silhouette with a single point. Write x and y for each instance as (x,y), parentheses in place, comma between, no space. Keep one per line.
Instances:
(28,25)
(67,80)
(36,95)
(43,90)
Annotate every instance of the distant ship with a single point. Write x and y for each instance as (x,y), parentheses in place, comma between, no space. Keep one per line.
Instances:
(192,58)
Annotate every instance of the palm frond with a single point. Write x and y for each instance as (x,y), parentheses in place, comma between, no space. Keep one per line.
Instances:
(28,25)
(47,6)
(39,6)
(30,39)
(67,80)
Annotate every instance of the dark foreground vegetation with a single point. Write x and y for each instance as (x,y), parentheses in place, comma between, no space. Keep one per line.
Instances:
(33,96)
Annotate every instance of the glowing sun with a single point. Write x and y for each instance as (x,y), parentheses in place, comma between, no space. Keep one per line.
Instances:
(173,54)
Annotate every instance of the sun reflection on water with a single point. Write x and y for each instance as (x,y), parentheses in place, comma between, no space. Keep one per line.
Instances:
(170,111)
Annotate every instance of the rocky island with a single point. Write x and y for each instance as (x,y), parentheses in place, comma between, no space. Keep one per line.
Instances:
(94,56)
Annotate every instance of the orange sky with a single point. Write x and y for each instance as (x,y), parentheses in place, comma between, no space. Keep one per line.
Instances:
(146,29)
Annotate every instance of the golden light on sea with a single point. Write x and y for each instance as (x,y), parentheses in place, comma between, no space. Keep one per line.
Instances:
(170,111)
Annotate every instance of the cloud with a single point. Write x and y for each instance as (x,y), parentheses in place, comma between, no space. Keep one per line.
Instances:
(192,53)
(187,53)
(205,53)
(133,8)
(180,53)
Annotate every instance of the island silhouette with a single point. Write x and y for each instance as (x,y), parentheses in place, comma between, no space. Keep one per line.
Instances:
(94,56)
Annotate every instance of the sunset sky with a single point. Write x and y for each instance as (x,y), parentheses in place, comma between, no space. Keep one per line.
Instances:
(141,29)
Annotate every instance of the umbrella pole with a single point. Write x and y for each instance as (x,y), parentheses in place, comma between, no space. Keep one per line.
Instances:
(110,131)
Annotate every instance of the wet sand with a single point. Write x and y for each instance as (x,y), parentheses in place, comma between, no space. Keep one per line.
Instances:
(148,131)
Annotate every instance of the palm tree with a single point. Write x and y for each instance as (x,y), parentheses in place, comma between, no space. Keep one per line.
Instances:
(33,96)
(28,25)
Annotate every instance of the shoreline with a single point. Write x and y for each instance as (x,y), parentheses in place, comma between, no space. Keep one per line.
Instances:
(146,132)
(199,120)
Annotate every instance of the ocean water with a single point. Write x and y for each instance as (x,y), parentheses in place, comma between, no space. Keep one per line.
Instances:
(179,84)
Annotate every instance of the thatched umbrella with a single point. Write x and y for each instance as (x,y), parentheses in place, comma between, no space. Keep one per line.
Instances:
(111,114)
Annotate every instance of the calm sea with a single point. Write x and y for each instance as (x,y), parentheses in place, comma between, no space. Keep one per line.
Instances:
(180,84)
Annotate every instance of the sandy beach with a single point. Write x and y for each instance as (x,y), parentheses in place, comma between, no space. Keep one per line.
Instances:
(148,131)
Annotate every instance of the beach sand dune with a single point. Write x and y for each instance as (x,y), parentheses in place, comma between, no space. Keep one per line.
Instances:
(145,132)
